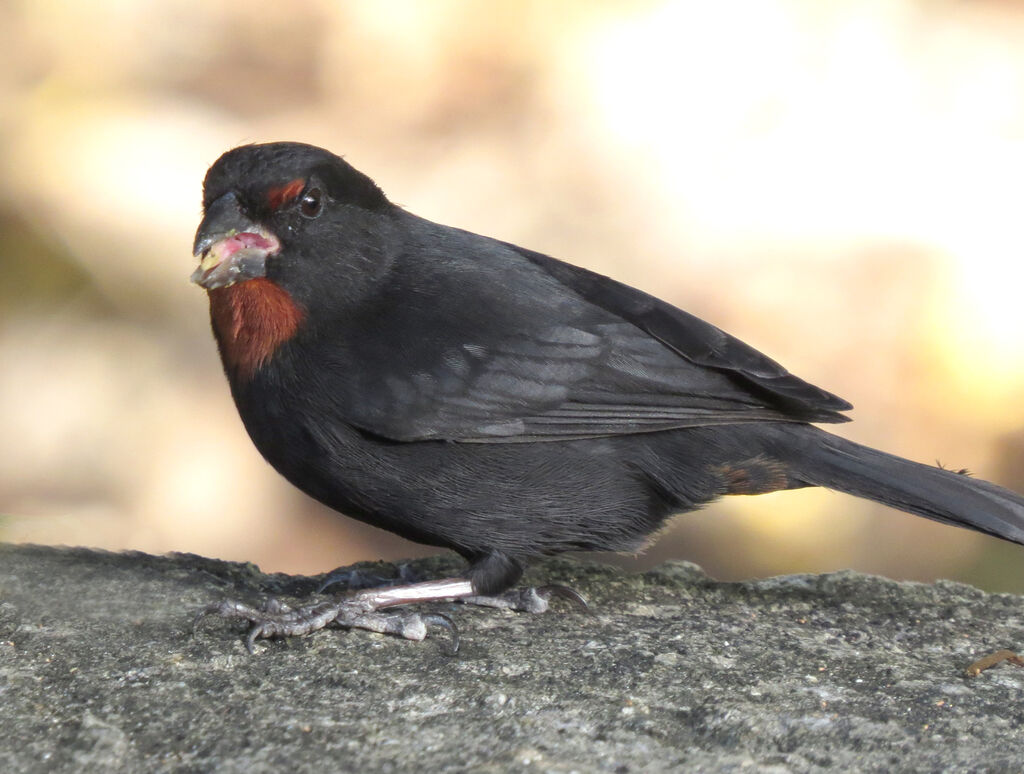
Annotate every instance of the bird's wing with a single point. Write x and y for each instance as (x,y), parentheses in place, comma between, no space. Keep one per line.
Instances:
(540,350)
(694,339)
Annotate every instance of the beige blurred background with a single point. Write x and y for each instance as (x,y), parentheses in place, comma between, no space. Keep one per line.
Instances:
(840,184)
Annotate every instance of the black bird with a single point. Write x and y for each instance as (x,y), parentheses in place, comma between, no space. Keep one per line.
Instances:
(464,392)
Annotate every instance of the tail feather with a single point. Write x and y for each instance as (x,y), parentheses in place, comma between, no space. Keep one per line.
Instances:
(826,460)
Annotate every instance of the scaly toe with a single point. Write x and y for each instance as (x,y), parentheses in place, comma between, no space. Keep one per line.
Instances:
(528,600)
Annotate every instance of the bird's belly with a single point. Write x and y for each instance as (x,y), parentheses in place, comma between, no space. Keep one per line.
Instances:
(523,499)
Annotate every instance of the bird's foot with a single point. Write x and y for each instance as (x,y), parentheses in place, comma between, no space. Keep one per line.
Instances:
(529,600)
(365,610)
(361,610)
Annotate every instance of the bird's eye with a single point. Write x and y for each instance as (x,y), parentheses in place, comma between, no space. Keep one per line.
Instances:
(311,203)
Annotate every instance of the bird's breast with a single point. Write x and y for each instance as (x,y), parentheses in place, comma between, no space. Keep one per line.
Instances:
(251,320)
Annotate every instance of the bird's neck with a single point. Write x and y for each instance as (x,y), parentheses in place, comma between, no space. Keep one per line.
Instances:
(251,320)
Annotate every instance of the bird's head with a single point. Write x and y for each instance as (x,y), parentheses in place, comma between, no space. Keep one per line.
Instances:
(268,209)
(287,229)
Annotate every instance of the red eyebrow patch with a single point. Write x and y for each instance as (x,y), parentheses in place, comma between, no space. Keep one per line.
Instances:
(280,195)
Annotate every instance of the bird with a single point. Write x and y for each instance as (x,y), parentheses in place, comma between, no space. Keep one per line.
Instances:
(468,393)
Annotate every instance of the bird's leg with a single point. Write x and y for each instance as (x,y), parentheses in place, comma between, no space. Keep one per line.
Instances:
(361,610)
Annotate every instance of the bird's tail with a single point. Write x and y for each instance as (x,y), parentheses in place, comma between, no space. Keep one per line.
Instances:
(823,459)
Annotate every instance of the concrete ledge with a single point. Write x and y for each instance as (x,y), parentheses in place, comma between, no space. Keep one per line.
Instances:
(674,671)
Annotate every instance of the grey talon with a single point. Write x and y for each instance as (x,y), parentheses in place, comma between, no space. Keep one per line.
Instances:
(565,592)
(447,623)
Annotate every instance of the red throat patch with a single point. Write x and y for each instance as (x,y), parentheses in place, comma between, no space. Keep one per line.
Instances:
(251,320)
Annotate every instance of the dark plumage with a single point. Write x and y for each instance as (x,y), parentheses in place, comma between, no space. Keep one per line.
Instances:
(468,393)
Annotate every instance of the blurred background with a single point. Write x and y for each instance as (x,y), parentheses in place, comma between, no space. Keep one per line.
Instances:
(839,184)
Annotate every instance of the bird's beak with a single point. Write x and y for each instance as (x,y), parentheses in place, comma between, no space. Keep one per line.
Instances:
(230,247)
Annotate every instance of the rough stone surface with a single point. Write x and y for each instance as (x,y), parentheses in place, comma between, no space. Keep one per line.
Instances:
(672,672)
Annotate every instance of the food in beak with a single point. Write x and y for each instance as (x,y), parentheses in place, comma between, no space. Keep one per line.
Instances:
(235,258)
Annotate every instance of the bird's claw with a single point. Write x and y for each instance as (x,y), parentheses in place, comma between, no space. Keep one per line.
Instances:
(565,592)
(445,622)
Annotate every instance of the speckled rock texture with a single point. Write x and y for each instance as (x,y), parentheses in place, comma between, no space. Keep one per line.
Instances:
(672,672)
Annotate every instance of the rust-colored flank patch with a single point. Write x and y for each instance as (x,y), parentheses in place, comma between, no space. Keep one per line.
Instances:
(280,195)
(251,320)
(758,475)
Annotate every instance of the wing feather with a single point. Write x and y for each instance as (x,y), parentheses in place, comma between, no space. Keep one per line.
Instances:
(532,348)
